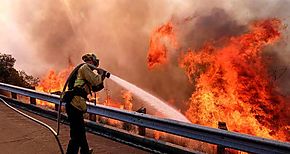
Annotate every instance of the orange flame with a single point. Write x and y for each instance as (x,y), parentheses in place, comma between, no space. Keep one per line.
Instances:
(127,96)
(157,134)
(233,85)
(127,105)
(53,82)
(157,53)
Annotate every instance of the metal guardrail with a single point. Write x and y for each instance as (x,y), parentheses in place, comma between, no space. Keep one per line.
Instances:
(228,139)
(30,93)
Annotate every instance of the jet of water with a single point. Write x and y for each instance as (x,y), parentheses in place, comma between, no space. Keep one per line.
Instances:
(153,101)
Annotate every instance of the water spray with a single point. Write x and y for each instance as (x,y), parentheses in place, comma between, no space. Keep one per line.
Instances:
(156,103)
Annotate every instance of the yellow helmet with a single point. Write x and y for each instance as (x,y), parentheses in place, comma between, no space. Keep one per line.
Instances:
(91,57)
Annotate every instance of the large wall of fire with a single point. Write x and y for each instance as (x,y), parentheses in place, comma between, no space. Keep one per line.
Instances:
(214,61)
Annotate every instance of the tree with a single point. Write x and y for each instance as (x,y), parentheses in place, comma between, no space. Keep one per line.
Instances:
(8,74)
(7,60)
(29,79)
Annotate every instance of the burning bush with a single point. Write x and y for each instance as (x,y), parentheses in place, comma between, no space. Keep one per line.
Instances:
(232,84)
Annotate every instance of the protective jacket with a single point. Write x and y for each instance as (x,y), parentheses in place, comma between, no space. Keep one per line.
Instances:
(86,80)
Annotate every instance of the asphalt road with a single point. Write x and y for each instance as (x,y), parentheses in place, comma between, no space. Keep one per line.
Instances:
(19,135)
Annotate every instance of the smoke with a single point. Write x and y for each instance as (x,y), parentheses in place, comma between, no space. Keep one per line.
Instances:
(46,34)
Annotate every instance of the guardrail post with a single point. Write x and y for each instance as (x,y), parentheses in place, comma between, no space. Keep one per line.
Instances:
(31,99)
(142,130)
(92,117)
(56,106)
(13,95)
(221,149)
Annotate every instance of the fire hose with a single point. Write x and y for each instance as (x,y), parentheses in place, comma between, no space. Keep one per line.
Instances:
(55,133)
(37,121)
(65,86)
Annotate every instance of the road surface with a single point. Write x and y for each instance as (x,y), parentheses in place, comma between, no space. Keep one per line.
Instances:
(23,136)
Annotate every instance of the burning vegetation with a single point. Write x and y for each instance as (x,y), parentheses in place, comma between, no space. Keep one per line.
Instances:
(53,82)
(231,80)
(162,38)
(232,83)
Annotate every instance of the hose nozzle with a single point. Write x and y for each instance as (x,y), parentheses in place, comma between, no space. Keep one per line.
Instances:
(104,73)
(108,74)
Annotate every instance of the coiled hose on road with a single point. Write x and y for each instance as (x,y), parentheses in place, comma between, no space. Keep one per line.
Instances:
(37,121)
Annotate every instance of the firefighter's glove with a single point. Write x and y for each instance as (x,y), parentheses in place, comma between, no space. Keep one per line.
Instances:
(100,71)
(108,74)
(103,73)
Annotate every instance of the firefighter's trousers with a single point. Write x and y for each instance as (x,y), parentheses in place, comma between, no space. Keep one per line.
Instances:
(77,131)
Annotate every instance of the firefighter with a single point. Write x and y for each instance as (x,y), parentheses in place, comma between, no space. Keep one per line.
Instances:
(84,82)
